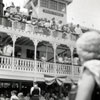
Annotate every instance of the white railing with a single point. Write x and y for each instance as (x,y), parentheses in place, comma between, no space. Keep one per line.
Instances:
(26,65)
(76,70)
(64,69)
(5,63)
(45,67)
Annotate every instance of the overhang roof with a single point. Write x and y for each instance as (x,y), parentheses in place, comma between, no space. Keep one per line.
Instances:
(67,1)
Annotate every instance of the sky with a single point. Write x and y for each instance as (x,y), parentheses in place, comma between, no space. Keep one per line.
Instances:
(83,12)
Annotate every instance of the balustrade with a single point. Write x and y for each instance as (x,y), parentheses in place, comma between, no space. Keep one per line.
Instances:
(26,65)
(5,63)
(45,67)
(77,70)
(64,69)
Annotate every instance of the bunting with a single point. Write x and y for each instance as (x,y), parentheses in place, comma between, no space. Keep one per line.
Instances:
(50,79)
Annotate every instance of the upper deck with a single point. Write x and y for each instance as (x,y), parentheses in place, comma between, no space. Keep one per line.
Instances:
(17,34)
(38,36)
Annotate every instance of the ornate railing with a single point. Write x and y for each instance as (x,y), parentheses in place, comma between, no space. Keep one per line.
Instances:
(45,67)
(5,63)
(25,65)
(26,27)
(64,69)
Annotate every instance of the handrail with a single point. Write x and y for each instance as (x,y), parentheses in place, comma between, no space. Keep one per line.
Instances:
(41,67)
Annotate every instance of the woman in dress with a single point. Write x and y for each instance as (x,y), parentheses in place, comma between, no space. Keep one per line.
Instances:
(88,48)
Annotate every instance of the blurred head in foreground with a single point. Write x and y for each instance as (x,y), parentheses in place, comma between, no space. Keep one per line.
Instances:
(88,46)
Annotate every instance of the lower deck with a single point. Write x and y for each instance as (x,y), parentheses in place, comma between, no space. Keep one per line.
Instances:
(7,85)
(31,70)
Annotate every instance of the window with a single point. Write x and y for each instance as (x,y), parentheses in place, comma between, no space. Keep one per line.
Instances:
(53,4)
(61,7)
(44,3)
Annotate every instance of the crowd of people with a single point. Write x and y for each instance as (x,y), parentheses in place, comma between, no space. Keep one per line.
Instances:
(27,22)
(36,93)
(21,96)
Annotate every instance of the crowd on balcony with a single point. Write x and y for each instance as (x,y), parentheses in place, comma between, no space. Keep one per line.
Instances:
(14,13)
(63,59)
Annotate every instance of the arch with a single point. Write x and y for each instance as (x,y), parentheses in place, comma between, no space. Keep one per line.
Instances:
(24,48)
(6,38)
(45,49)
(64,52)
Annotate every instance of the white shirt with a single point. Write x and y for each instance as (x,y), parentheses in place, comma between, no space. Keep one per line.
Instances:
(78,31)
(7,50)
(76,60)
(14,97)
(43,58)
(60,59)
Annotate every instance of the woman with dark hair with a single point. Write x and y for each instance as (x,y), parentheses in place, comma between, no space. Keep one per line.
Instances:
(88,48)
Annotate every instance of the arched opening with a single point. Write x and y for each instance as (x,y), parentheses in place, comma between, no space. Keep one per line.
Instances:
(45,51)
(63,54)
(24,48)
(5,44)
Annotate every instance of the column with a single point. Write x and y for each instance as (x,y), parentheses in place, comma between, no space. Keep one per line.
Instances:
(14,37)
(72,60)
(35,48)
(35,59)
(54,47)
(55,66)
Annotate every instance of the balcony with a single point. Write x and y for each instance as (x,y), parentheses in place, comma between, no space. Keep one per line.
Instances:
(8,25)
(23,68)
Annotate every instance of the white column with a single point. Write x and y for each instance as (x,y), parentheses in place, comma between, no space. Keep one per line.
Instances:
(55,66)
(72,59)
(14,37)
(35,48)
(54,47)
(35,59)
